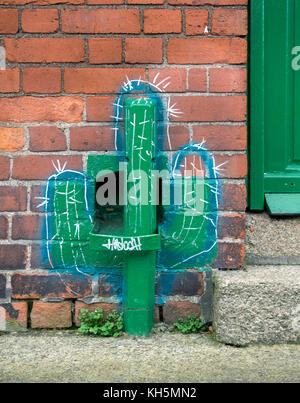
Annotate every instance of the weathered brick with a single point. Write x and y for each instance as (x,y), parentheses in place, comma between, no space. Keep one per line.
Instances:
(197,79)
(99,109)
(35,109)
(3,227)
(16,312)
(110,285)
(229,22)
(27,227)
(41,166)
(233,197)
(105,50)
(13,257)
(40,2)
(208,2)
(44,50)
(101,2)
(196,21)
(145,2)
(40,20)
(101,21)
(101,80)
(179,283)
(2,286)
(232,226)
(207,50)
(47,138)
(9,80)
(42,80)
(37,192)
(143,50)
(11,139)
(50,315)
(13,198)
(92,138)
(178,136)
(173,310)
(229,256)
(158,21)
(221,137)
(227,80)
(35,286)
(106,308)
(232,166)
(4,167)
(9,21)
(210,109)
(168,79)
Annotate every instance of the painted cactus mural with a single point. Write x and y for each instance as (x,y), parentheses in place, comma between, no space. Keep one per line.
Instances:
(188,233)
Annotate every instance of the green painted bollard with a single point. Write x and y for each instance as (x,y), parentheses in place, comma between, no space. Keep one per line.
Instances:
(140,215)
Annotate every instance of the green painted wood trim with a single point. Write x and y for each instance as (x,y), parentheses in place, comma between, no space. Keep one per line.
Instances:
(283,203)
(256,102)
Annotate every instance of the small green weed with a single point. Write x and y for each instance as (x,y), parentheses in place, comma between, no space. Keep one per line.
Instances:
(95,323)
(192,324)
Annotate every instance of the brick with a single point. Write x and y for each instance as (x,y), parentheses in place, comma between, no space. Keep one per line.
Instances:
(3,227)
(4,168)
(162,21)
(178,136)
(110,285)
(2,286)
(100,80)
(99,109)
(35,109)
(207,50)
(227,80)
(42,80)
(44,50)
(9,21)
(51,315)
(37,286)
(16,312)
(106,308)
(101,21)
(229,22)
(179,283)
(13,198)
(169,79)
(208,2)
(27,227)
(105,50)
(145,2)
(101,2)
(143,50)
(221,137)
(37,191)
(40,2)
(9,80)
(41,166)
(173,310)
(40,20)
(235,166)
(47,138)
(13,257)
(233,197)
(11,139)
(92,138)
(197,79)
(196,21)
(210,109)
(229,256)
(232,226)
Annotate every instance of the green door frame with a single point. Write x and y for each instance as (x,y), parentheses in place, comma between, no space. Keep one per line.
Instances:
(265,185)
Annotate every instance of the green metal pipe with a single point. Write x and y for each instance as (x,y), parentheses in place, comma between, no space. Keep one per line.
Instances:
(139,214)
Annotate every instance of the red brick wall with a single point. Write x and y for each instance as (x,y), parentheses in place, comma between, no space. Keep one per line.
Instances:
(65,61)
